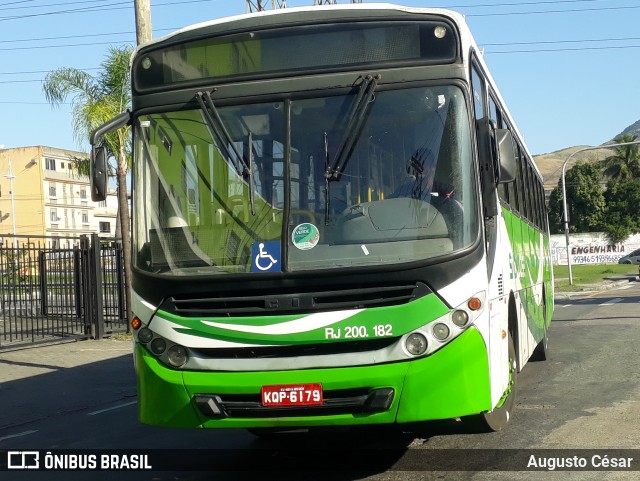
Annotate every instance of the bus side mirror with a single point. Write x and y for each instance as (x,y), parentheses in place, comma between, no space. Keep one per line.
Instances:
(98,174)
(506,154)
(488,164)
(99,155)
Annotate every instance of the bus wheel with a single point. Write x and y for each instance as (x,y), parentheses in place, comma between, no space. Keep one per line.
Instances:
(501,414)
(541,352)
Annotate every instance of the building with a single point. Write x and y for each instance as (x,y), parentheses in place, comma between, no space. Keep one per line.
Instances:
(42,194)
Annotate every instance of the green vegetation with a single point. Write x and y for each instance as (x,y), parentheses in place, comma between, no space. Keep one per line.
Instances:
(94,101)
(590,277)
(602,196)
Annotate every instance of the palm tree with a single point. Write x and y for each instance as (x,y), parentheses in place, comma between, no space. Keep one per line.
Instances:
(94,101)
(625,163)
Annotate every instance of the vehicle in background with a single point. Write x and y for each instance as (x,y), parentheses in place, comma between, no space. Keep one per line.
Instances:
(631,258)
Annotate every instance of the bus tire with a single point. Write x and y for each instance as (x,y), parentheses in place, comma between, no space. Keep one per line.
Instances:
(501,415)
(541,352)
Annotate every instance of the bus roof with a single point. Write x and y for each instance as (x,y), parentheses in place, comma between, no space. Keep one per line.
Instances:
(455,16)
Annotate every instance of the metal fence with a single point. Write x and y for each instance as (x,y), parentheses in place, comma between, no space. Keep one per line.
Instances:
(60,288)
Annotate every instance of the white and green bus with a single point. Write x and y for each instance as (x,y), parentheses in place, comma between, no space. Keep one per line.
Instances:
(335,222)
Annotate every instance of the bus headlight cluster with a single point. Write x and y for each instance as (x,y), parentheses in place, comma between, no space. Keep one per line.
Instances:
(172,354)
(434,335)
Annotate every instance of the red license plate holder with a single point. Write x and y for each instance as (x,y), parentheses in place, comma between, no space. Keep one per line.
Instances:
(285,395)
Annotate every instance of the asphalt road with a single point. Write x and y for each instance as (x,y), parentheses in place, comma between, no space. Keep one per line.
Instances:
(586,396)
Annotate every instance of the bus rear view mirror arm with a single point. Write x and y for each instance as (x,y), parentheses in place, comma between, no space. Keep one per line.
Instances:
(99,155)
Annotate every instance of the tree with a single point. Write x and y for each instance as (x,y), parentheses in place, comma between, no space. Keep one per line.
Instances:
(585,200)
(622,219)
(625,163)
(94,101)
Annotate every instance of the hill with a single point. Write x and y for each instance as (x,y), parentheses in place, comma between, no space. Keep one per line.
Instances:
(633,129)
(550,165)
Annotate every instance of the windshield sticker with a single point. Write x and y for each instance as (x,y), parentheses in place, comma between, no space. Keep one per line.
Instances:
(305,236)
(265,257)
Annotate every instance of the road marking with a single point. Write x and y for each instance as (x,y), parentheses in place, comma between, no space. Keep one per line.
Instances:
(612,301)
(112,408)
(26,433)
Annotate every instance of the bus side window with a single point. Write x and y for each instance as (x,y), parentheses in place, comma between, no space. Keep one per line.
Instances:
(520,183)
(477,89)
(496,117)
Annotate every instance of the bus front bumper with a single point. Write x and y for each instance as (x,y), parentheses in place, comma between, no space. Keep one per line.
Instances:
(452,382)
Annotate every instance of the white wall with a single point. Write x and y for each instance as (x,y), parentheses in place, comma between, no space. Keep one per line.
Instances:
(591,248)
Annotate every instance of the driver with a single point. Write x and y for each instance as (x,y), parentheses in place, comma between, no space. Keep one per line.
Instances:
(420,183)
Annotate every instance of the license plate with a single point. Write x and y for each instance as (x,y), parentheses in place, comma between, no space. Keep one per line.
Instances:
(292,395)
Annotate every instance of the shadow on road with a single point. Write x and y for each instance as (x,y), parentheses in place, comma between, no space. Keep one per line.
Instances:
(59,389)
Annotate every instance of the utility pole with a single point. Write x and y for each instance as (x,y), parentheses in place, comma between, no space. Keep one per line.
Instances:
(143,21)
(260,5)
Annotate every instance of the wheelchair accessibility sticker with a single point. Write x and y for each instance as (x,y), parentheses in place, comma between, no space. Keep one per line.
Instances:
(265,257)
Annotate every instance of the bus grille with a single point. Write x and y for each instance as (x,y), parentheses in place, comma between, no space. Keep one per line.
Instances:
(295,302)
(296,350)
(345,401)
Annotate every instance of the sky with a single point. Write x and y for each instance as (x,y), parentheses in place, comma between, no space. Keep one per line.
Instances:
(568,70)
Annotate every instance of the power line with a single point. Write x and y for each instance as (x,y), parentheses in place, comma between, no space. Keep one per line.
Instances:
(74,10)
(2,6)
(101,8)
(38,47)
(13,3)
(545,12)
(542,42)
(42,71)
(577,49)
(87,35)
(518,4)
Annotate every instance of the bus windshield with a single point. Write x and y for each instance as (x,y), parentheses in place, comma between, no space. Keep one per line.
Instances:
(405,191)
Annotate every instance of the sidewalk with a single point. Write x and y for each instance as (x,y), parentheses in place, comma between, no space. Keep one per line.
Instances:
(41,381)
(594,288)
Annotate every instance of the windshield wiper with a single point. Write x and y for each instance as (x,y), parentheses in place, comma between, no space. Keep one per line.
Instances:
(225,143)
(355,124)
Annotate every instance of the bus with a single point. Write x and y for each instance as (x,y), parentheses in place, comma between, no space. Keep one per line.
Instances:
(335,222)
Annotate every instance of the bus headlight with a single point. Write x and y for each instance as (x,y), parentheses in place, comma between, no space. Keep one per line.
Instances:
(416,344)
(145,335)
(441,331)
(177,355)
(158,346)
(460,318)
